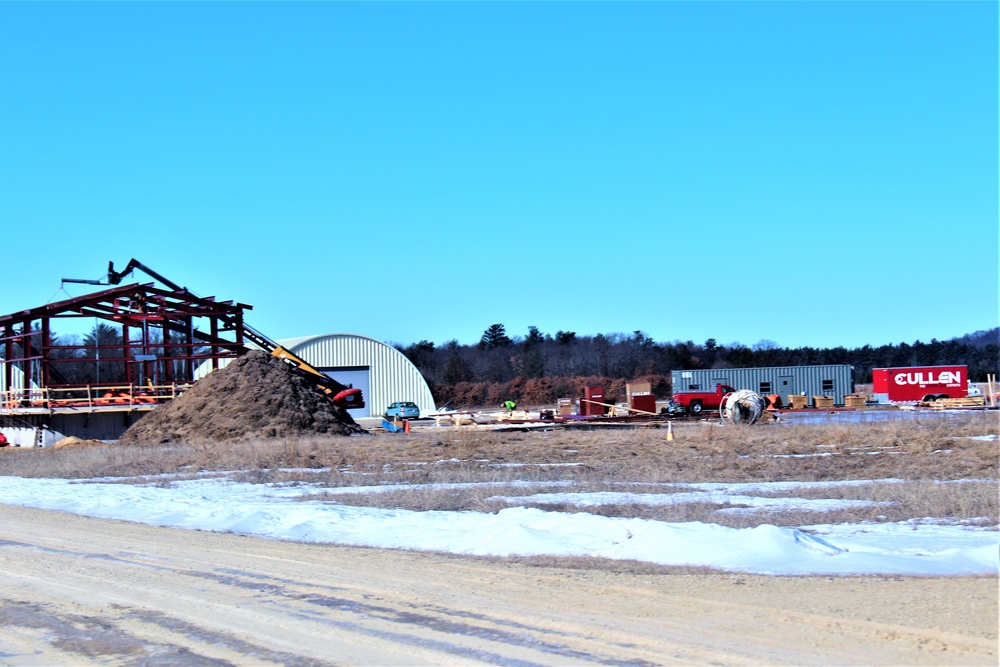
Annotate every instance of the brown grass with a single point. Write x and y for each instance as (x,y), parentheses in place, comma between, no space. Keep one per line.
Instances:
(972,502)
(923,453)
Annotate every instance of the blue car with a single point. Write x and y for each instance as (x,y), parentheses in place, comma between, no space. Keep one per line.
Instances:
(403,410)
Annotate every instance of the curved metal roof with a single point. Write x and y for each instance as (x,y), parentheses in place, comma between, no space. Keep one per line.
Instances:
(392,376)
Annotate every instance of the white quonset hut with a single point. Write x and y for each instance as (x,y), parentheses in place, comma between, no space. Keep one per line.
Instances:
(382,372)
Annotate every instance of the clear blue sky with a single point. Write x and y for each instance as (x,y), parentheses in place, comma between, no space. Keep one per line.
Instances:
(810,173)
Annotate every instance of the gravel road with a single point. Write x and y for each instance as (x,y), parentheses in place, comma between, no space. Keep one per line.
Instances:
(81,591)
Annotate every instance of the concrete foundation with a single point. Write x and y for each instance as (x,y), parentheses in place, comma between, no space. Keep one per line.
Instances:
(44,429)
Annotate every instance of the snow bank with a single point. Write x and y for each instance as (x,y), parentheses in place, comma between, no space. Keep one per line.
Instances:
(272,511)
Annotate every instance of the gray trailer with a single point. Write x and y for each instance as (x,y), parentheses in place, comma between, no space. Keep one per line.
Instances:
(836,380)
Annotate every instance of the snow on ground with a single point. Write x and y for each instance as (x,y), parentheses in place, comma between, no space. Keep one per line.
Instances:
(722,494)
(273,511)
(905,413)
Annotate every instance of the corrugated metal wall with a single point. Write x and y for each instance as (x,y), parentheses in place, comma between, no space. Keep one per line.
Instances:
(835,380)
(392,377)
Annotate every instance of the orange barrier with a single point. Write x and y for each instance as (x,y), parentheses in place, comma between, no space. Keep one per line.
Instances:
(125,395)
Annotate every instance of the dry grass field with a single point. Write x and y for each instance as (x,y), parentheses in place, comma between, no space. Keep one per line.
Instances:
(82,591)
(918,455)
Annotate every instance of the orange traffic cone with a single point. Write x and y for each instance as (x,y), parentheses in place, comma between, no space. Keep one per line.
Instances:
(406,426)
(670,431)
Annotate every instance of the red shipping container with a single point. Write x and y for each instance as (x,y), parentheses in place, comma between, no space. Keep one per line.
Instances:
(920,383)
(644,402)
(593,396)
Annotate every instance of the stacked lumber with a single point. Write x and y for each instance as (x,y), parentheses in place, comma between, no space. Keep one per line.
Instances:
(967,402)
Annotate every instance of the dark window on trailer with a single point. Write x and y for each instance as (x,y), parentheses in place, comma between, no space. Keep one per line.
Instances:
(694,387)
(827,386)
(765,387)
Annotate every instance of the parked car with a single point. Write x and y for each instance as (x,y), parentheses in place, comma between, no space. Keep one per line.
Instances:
(403,410)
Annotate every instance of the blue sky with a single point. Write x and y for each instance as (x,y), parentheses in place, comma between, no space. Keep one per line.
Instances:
(810,173)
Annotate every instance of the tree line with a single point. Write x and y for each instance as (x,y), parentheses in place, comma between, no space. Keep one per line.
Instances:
(538,368)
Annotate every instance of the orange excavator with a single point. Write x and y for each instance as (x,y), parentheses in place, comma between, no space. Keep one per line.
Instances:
(344,396)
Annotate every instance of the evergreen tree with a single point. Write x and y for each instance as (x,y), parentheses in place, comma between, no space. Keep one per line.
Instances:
(495,336)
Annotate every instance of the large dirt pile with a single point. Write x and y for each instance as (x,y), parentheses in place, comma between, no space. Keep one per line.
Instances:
(256,396)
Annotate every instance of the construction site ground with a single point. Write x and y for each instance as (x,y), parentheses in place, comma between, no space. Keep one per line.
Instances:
(83,591)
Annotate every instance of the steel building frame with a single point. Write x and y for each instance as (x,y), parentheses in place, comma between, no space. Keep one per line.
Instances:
(192,330)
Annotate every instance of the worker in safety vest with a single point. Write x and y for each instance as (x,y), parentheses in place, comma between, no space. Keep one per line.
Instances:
(509,406)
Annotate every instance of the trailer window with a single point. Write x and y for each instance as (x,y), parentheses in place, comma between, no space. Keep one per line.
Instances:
(827,386)
(765,388)
(694,387)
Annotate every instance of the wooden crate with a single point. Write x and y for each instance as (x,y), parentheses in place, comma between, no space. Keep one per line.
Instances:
(854,401)
(823,401)
(796,402)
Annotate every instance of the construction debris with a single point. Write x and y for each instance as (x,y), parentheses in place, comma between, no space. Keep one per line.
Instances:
(742,407)
(256,396)
(967,402)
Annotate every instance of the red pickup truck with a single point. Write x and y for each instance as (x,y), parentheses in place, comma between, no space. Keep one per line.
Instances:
(696,401)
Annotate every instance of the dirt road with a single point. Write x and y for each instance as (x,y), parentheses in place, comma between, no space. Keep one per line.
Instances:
(79,591)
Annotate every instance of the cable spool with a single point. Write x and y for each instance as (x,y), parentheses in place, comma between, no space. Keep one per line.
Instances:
(742,407)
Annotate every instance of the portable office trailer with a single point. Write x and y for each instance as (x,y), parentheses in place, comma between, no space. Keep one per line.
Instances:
(836,380)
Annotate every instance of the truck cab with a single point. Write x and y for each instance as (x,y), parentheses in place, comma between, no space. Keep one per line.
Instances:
(695,401)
